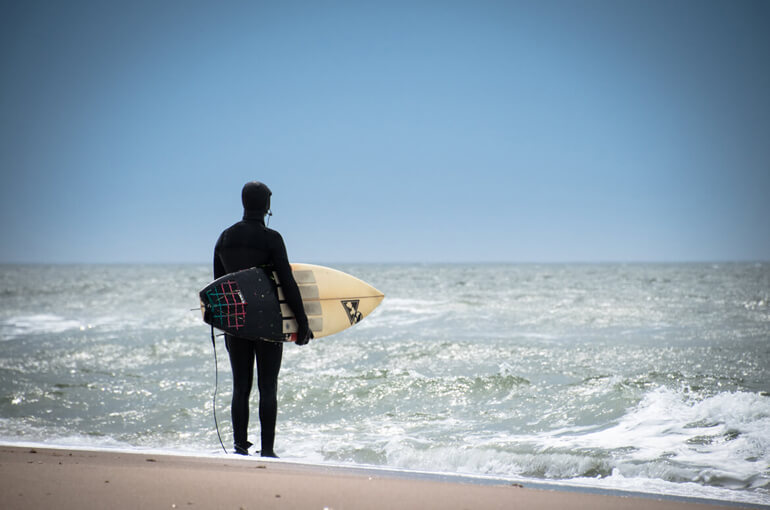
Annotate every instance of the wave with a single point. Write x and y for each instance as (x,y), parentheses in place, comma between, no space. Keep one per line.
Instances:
(37,324)
(671,442)
(676,436)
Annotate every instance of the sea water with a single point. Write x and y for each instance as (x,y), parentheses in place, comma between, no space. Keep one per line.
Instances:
(652,378)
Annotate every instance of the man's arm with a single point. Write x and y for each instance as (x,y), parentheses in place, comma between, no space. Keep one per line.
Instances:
(219,268)
(290,288)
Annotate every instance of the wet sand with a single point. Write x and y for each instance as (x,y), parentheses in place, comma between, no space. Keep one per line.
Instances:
(82,479)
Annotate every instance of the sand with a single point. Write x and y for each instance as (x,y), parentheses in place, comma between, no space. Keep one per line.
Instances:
(81,479)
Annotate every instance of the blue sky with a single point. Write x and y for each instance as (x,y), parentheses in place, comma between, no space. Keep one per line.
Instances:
(572,131)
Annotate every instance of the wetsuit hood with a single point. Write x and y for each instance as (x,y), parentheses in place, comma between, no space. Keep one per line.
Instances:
(256,199)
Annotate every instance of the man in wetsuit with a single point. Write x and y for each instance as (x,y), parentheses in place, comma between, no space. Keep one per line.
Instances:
(249,243)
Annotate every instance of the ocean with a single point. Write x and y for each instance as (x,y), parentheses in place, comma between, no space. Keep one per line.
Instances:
(645,377)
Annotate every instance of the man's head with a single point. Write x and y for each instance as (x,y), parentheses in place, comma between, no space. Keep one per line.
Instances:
(256,197)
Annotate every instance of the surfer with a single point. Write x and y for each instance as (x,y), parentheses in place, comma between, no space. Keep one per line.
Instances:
(249,243)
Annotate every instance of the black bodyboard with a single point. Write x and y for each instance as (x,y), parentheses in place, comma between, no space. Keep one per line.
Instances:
(244,304)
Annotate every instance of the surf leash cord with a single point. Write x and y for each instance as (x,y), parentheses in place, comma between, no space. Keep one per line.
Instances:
(216,386)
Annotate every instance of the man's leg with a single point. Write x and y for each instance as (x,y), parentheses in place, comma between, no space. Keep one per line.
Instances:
(242,363)
(269,356)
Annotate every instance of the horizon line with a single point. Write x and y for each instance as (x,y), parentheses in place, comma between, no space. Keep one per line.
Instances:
(402,263)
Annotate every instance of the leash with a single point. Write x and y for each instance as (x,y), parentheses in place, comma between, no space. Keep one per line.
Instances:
(216,386)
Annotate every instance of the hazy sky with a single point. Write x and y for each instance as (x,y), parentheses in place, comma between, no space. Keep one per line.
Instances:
(388,131)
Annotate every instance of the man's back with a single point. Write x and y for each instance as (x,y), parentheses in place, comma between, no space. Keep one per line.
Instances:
(249,243)
(246,244)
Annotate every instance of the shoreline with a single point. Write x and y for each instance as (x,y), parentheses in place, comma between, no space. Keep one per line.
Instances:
(33,476)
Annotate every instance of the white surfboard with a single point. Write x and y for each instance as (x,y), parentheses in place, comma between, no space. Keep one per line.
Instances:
(333,300)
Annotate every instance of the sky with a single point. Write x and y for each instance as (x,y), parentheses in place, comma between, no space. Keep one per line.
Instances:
(389,132)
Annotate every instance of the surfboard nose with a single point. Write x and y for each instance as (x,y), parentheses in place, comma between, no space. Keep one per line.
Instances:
(333,300)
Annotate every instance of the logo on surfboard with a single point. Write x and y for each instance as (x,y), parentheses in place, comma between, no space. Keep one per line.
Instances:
(351,307)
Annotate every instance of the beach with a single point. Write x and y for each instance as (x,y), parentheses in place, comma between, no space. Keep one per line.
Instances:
(33,477)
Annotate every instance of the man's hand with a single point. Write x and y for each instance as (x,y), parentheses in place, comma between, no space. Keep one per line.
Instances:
(303,335)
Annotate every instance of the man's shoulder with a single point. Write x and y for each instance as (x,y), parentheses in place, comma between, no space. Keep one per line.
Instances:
(247,229)
(271,232)
(229,229)
(233,233)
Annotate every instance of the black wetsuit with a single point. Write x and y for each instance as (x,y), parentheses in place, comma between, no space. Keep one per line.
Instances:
(249,243)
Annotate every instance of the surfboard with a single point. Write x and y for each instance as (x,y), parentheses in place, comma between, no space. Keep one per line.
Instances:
(251,304)
(244,304)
